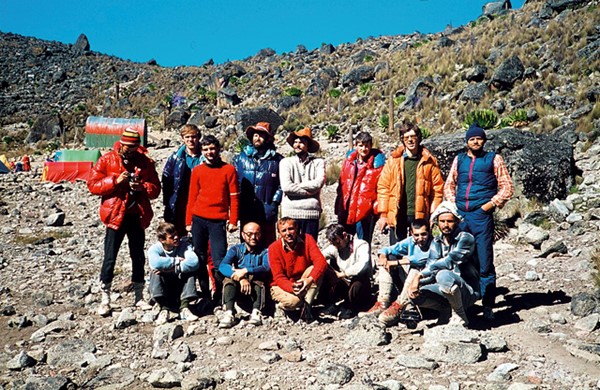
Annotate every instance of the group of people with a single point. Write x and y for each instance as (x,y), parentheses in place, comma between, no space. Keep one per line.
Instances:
(277,204)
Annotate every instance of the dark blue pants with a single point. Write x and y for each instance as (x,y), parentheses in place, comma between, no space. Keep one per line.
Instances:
(481,225)
(112,242)
(214,230)
(309,226)
(364,228)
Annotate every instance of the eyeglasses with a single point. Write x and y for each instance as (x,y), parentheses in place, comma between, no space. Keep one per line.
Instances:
(251,234)
(407,137)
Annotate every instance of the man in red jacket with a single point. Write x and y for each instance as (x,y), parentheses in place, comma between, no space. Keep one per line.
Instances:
(298,266)
(212,211)
(126,179)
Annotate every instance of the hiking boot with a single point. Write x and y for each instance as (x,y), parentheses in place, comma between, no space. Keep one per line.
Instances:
(255,318)
(488,314)
(143,305)
(186,315)
(391,315)
(346,314)
(104,308)
(329,311)
(459,316)
(163,317)
(376,310)
(227,320)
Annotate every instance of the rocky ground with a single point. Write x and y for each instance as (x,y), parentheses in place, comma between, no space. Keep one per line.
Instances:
(544,336)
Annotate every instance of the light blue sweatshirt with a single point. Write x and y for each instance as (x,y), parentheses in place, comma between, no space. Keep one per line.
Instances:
(162,260)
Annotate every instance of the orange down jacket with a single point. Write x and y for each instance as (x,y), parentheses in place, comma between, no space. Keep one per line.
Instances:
(115,197)
(390,188)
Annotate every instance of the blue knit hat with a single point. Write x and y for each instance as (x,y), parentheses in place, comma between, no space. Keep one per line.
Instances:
(475,131)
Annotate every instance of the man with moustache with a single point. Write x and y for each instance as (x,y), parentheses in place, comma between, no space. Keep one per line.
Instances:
(302,177)
(257,168)
(478,183)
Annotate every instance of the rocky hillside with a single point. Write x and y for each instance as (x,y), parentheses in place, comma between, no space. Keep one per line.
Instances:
(537,68)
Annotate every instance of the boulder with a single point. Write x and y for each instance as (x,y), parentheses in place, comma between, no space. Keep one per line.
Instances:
(82,44)
(418,89)
(508,72)
(540,165)
(474,92)
(330,374)
(46,127)
(357,76)
(250,116)
(70,353)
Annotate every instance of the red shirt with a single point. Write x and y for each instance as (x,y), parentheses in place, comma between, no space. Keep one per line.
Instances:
(288,266)
(213,193)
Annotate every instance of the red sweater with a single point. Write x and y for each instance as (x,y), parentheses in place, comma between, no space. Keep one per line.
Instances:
(213,193)
(288,267)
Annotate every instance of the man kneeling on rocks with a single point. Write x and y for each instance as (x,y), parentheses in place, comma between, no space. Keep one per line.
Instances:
(449,283)
(174,265)
(247,271)
(297,266)
(398,265)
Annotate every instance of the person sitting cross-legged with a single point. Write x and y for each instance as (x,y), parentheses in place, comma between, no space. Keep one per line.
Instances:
(247,273)
(173,266)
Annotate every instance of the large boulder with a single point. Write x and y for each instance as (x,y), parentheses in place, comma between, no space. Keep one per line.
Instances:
(251,116)
(46,127)
(508,72)
(541,165)
(362,74)
(418,89)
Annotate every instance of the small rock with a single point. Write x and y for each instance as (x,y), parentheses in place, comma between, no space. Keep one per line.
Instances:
(181,353)
(165,378)
(294,356)
(531,276)
(56,219)
(589,323)
(126,319)
(21,361)
(270,357)
(330,374)
(270,345)
(502,372)
(415,361)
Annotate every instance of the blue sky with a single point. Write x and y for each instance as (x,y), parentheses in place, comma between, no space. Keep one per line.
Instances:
(189,32)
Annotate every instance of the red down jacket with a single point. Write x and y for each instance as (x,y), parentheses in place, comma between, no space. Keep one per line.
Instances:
(115,197)
(357,188)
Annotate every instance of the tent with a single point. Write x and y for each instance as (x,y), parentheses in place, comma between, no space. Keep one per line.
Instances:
(71,165)
(56,171)
(66,155)
(4,168)
(104,132)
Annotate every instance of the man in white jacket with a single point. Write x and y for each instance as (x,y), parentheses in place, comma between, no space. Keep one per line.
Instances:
(349,270)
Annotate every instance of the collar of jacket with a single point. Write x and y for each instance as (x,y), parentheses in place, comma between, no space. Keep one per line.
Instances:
(251,151)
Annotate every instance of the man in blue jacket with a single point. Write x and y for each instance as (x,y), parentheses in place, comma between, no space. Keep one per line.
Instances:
(176,177)
(247,271)
(173,265)
(257,167)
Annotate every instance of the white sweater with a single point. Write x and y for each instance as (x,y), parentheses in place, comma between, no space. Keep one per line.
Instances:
(301,184)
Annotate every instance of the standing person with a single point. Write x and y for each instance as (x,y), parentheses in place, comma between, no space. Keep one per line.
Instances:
(212,211)
(449,283)
(350,265)
(247,271)
(257,167)
(126,179)
(302,177)
(297,266)
(176,177)
(410,185)
(356,200)
(478,183)
(173,265)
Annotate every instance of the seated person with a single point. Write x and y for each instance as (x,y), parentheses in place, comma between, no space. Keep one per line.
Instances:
(411,254)
(247,271)
(297,266)
(350,269)
(449,283)
(173,265)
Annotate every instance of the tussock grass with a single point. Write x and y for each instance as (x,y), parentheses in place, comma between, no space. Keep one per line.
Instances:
(39,238)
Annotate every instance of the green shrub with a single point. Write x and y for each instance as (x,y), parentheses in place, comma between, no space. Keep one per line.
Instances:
(487,119)
(364,89)
(334,93)
(384,121)
(293,91)
(332,131)
(398,100)
(425,132)
(368,59)
(519,115)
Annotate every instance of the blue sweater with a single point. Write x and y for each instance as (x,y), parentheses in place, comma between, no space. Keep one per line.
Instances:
(238,257)
(476,181)
(407,247)
(162,260)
